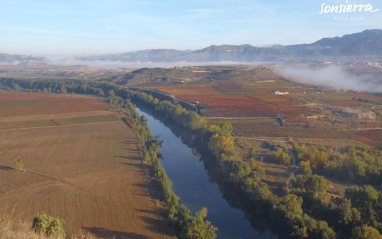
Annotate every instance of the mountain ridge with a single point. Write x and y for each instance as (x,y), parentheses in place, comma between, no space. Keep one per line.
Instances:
(367,42)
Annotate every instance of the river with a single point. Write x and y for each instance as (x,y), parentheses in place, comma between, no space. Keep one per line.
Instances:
(191,183)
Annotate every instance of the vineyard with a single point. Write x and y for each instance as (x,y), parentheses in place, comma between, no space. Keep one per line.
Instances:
(341,103)
(230,88)
(372,137)
(304,112)
(234,106)
(189,90)
(245,106)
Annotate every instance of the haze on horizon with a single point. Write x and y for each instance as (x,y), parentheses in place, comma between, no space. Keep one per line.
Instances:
(66,28)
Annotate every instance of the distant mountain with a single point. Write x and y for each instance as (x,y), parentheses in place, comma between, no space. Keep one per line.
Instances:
(8,58)
(368,42)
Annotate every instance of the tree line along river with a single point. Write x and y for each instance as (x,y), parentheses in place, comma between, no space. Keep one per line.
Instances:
(191,182)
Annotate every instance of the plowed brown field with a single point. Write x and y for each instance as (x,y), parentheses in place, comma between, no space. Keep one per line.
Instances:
(19,103)
(90,175)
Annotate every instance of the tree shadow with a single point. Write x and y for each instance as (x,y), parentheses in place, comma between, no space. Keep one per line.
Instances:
(141,185)
(158,226)
(147,211)
(6,168)
(140,166)
(105,233)
(136,158)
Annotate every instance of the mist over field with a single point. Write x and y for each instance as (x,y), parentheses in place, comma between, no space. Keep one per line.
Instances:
(332,76)
(137,65)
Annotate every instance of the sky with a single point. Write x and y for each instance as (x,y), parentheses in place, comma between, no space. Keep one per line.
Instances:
(91,27)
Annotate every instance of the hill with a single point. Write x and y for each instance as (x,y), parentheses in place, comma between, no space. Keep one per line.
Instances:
(8,58)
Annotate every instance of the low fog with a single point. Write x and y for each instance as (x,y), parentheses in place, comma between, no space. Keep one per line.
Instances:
(332,76)
(137,65)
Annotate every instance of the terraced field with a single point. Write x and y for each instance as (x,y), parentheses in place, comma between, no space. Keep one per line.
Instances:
(86,170)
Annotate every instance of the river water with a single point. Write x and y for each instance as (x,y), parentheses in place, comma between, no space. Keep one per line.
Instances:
(192,184)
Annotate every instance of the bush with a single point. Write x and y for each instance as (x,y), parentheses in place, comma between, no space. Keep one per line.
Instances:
(19,164)
(282,156)
(48,225)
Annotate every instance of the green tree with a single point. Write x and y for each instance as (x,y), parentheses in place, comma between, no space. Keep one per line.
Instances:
(237,170)
(251,153)
(366,232)
(63,89)
(282,155)
(317,186)
(111,93)
(345,211)
(305,167)
(220,144)
(100,92)
(290,208)
(16,87)
(200,229)
(365,199)
(323,231)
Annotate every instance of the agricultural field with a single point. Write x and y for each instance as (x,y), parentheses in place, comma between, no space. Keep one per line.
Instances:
(372,137)
(191,90)
(79,162)
(17,103)
(237,106)
(306,112)
(265,121)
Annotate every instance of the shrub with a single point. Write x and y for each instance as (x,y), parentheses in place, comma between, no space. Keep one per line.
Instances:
(48,225)
(19,164)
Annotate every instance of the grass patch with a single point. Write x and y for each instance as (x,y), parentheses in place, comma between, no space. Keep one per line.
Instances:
(199,82)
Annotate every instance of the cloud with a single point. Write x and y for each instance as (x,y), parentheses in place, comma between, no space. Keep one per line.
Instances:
(334,77)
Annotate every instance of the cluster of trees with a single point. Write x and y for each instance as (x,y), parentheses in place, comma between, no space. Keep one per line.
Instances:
(365,200)
(173,111)
(361,165)
(357,215)
(57,86)
(313,186)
